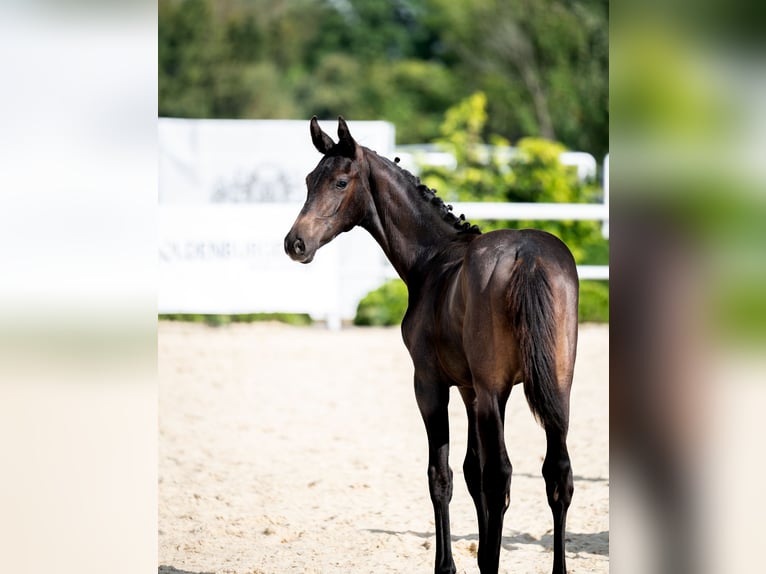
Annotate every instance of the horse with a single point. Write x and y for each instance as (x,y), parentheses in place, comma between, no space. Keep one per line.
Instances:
(486,311)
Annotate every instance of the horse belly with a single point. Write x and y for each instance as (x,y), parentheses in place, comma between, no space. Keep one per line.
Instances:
(453,363)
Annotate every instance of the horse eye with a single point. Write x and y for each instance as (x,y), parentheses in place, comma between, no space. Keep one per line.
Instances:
(341,184)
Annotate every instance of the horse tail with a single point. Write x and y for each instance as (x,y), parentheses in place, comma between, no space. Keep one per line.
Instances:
(530,302)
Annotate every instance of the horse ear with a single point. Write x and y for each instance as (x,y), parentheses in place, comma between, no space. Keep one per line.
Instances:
(345,141)
(321,140)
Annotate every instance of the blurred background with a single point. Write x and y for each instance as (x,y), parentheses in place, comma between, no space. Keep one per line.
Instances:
(542,65)
(502,102)
(688,263)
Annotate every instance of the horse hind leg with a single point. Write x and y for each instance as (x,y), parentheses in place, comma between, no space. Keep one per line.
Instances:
(496,472)
(557,467)
(559,486)
(472,464)
(557,471)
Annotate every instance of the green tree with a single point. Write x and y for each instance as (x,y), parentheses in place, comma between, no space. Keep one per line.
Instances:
(542,63)
(187,56)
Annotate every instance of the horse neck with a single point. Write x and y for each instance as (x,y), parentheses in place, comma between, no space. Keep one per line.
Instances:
(407,227)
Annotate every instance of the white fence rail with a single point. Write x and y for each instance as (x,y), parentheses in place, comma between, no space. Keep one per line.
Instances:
(544,211)
(540,211)
(229,258)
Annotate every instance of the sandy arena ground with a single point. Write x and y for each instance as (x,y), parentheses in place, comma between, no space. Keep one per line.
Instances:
(296,449)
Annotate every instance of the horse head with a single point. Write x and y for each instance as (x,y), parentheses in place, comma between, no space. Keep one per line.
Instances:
(338,194)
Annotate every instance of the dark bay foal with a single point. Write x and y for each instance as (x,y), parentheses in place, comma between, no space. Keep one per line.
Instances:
(486,312)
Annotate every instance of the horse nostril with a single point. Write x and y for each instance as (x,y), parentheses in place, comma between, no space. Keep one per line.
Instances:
(299,248)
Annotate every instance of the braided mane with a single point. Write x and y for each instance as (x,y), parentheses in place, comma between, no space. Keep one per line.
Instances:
(444,209)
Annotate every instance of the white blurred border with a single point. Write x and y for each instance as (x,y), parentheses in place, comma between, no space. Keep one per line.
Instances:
(78,417)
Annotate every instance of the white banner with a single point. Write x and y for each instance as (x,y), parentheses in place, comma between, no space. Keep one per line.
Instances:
(229,192)
(247,161)
(231,259)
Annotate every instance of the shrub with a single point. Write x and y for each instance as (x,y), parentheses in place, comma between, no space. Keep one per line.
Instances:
(384,306)
(594,302)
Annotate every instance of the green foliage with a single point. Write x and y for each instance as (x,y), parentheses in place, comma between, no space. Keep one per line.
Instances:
(480,175)
(594,302)
(217,320)
(541,63)
(384,306)
(539,176)
(531,172)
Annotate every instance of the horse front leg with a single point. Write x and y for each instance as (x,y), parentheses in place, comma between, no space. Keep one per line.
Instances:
(433,399)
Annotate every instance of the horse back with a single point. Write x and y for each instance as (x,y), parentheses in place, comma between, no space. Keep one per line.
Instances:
(459,319)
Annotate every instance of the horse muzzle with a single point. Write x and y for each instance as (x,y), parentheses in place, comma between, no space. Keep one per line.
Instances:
(295,247)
